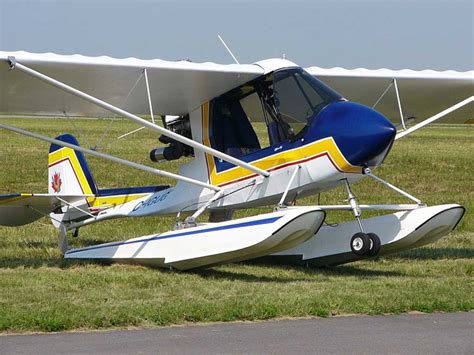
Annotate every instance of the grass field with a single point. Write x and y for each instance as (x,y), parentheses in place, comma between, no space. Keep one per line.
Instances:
(39,291)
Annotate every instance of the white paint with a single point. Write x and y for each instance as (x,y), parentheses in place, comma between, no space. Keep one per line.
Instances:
(219,243)
(398,231)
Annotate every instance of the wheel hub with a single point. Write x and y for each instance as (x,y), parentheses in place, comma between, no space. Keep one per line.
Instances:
(357,243)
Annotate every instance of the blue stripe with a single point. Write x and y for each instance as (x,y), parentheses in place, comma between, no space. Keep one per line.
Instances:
(69,138)
(362,134)
(158,237)
(131,190)
(3,197)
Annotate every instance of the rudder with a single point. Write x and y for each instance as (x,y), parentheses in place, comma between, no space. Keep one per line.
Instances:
(68,172)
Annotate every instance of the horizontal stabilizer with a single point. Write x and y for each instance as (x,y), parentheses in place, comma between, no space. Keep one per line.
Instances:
(20,209)
(212,243)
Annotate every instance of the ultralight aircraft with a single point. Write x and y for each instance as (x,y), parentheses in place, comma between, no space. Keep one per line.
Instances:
(317,140)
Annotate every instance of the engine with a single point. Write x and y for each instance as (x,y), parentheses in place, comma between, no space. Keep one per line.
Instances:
(175,149)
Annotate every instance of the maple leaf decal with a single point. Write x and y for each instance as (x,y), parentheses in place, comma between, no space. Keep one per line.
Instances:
(56,182)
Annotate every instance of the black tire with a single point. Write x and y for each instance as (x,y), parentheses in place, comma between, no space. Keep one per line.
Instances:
(374,246)
(360,244)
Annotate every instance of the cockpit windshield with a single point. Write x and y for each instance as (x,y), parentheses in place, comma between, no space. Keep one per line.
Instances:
(284,101)
(298,96)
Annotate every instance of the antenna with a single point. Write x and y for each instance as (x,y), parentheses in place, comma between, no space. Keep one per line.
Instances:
(228,49)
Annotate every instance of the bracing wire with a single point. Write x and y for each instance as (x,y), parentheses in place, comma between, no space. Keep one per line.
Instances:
(77,129)
(103,140)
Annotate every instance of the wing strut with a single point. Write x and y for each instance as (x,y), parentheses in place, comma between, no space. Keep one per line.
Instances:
(143,122)
(399,103)
(397,94)
(110,157)
(435,117)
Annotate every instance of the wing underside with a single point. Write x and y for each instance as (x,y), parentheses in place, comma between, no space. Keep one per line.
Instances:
(422,93)
(176,87)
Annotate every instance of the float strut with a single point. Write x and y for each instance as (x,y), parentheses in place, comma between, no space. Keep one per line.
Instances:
(354,204)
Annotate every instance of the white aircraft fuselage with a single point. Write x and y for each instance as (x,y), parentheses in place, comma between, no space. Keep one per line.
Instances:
(336,141)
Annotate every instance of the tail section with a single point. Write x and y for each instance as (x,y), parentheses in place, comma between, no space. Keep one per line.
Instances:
(73,195)
(68,172)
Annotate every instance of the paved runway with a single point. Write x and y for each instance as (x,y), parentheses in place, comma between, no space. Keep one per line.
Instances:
(442,333)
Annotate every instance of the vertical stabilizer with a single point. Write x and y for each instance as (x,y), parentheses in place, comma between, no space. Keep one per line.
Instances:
(68,172)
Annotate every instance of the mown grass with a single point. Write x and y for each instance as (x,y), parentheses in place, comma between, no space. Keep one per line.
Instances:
(39,291)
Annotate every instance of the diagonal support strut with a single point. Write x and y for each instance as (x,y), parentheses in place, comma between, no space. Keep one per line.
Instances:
(139,120)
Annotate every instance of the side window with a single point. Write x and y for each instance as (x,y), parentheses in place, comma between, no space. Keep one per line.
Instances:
(294,101)
(252,106)
(299,97)
(290,103)
(270,110)
(232,132)
(311,95)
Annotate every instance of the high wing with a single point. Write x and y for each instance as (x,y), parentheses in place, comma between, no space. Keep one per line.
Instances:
(422,93)
(180,86)
(176,87)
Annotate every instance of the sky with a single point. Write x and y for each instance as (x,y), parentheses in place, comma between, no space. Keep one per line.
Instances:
(395,34)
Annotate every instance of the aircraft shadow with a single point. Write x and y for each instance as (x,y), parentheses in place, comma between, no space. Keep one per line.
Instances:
(434,254)
(216,273)
(210,273)
(350,270)
(213,274)
(34,263)
(342,270)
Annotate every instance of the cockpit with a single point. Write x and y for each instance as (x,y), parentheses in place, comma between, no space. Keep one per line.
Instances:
(282,103)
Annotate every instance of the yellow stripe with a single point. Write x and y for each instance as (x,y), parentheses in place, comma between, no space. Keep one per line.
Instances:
(326,145)
(110,201)
(206,141)
(97,201)
(64,153)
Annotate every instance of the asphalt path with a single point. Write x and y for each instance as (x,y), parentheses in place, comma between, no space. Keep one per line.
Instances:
(441,333)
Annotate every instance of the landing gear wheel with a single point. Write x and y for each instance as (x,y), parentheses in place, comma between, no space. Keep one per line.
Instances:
(374,244)
(360,244)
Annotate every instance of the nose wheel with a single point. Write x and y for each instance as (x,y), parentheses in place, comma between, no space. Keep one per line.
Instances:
(360,244)
(363,244)
(374,244)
